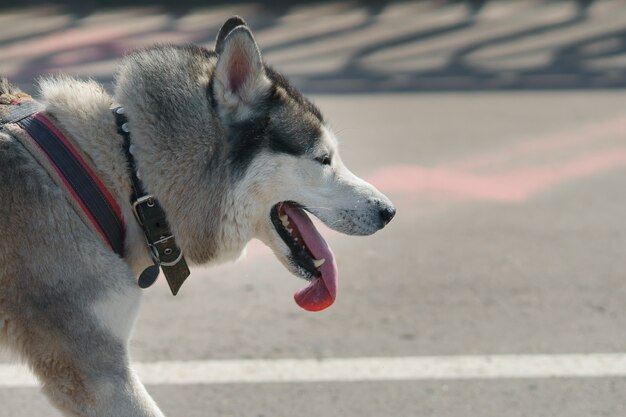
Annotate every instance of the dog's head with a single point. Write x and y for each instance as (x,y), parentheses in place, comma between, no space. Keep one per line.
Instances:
(233,152)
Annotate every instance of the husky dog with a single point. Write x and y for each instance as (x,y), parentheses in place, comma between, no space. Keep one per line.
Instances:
(230,150)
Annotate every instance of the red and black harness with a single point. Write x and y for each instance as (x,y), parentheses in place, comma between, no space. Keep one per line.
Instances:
(62,159)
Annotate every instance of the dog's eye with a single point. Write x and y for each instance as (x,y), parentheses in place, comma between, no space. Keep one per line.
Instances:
(324,160)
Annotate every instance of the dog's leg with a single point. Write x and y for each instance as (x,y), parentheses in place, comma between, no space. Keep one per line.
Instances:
(79,352)
(97,392)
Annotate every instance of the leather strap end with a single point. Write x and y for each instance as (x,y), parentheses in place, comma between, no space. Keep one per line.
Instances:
(176,275)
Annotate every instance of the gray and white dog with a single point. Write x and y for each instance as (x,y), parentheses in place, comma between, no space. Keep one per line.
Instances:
(231,151)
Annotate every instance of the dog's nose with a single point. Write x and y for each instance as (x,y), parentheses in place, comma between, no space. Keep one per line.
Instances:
(387,213)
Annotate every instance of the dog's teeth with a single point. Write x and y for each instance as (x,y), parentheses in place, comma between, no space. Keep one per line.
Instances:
(319,262)
(289,229)
(284,218)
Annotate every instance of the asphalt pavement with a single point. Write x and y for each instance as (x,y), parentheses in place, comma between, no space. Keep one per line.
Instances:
(509,240)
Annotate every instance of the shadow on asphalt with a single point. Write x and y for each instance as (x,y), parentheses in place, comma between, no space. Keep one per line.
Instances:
(566,69)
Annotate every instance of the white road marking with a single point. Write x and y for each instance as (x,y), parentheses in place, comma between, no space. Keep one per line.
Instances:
(361,369)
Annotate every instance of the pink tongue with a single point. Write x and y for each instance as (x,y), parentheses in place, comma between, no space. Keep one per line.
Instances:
(321,292)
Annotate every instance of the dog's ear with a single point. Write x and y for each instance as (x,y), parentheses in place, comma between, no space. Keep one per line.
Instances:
(239,79)
(227,27)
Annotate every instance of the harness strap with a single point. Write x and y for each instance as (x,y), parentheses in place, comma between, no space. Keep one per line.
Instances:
(20,110)
(59,157)
(81,182)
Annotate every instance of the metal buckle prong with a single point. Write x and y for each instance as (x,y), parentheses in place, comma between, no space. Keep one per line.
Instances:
(141,200)
(163,239)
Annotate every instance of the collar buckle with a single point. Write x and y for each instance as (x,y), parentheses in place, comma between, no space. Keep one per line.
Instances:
(148,200)
(162,246)
(165,252)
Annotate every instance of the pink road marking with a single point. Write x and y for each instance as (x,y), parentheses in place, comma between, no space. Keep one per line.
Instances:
(513,186)
(443,184)
(529,182)
(500,178)
(597,132)
(440,182)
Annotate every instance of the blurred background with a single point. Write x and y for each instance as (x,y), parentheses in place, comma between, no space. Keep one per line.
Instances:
(339,47)
(499,130)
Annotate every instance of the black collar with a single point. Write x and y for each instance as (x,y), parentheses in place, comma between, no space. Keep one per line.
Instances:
(151,217)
